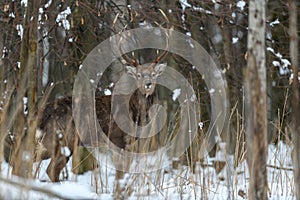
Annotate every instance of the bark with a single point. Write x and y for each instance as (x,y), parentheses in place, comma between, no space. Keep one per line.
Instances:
(295,93)
(55,51)
(9,56)
(24,153)
(232,59)
(256,128)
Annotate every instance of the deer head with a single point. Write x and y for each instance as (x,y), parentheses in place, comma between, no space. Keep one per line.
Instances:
(145,74)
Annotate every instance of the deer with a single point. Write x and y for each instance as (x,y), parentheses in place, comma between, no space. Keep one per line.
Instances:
(57,137)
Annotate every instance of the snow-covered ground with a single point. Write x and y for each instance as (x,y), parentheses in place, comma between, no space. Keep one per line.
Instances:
(168,183)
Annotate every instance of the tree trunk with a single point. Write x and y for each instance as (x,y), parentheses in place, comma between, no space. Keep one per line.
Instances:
(295,93)
(256,127)
(24,154)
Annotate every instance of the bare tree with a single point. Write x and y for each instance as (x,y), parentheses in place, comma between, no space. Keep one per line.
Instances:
(256,128)
(28,82)
(295,92)
(9,55)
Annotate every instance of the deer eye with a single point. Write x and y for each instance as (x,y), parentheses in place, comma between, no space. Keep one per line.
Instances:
(153,74)
(139,75)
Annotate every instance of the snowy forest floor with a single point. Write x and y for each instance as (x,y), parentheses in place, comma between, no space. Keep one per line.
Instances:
(169,183)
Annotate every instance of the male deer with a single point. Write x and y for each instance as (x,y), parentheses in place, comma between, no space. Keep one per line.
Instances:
(145,76)
(57,136)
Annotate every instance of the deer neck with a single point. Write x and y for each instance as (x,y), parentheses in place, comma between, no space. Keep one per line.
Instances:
(141,104)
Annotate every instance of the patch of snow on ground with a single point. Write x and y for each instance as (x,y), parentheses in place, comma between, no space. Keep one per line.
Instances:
(168,183)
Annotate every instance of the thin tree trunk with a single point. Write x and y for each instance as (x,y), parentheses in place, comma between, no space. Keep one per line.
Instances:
(295,93)
(256,128)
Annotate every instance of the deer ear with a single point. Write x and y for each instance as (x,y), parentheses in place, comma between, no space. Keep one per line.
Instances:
(160,68)
(130,70)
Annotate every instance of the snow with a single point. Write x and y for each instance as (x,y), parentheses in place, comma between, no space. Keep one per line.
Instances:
(233,15)
(20,30)
(176,94)
(200,124)
(235,40)
(65,151)
(111,85)
(241,4)
(292,77)
(168,183)
(202,10)
(184,4)
(211,91)
(283,64)
(4,52)
(61,18)
(24,2)
(12,15)
(276,21)
(193,98)
(107,92)
(41,11)
(276,63)
(71,189)
(25,101)
(48,3)
(19,64)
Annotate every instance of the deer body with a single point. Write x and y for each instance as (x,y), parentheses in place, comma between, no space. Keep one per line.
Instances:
(57,137)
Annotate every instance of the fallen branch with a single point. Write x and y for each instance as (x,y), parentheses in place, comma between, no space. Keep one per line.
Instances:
(280,168)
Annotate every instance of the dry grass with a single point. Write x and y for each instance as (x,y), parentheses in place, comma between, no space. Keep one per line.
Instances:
(193,175)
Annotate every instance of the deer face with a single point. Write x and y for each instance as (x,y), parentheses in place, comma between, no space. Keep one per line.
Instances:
(145,76)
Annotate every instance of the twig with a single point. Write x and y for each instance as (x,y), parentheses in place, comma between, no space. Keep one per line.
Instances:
(281,168)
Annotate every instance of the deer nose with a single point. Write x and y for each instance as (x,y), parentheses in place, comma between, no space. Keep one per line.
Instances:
(148,85)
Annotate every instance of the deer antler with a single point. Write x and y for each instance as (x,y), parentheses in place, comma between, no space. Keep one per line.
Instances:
(130,61)
(163,54)
(133,61)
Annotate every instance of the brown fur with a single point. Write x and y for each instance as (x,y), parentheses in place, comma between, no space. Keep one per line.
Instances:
(58,128)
